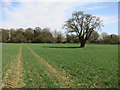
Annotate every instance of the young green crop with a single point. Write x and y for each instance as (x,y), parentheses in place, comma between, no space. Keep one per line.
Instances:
(9,53)
(35,73)
(95,66)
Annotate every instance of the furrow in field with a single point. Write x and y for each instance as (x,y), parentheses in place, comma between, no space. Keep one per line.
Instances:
(64,80)
(13,76)
(3,71)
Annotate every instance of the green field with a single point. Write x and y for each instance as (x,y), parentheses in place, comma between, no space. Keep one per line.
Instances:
(59,66)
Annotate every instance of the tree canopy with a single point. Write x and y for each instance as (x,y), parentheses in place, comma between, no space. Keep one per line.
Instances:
(83,25)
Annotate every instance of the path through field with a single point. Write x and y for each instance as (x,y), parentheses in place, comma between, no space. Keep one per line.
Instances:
(13,76)
(65,81)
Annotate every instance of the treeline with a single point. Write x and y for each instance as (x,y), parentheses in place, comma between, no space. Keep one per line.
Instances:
(45,35)
(30,35)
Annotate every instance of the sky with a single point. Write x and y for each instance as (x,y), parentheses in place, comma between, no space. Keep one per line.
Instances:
(53,14)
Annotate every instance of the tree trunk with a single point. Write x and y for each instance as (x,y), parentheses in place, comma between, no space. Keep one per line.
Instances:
(82,44)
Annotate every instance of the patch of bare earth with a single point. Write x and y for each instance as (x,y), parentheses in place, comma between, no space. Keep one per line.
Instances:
(65,81)
(13,76)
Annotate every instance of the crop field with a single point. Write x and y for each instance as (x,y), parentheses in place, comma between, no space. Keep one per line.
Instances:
(59,66)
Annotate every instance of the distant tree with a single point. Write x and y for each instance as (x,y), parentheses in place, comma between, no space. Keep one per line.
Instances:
(19,38)
(55,33)
(37,31)
(83,25)
(114,39)
(46,30)
(71,38)
(59,38)
(43,36)
(63,40)
(37,39)
(94,37)
(68,38)
(29,34)
(47,35)
(103,34)
(5,35)
(111,39)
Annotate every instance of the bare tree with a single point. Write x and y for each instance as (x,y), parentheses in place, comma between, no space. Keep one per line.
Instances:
(83,25)
(103,35)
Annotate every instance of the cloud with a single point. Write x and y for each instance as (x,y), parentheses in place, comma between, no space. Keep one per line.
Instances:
(95,7)
(108,19)
(37,14)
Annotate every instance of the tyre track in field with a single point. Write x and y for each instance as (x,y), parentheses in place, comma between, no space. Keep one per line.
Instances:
(65,81)
(3,71)
(13,76)
(3,60)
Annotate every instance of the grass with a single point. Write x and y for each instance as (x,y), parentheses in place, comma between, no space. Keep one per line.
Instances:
(65,65)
